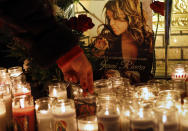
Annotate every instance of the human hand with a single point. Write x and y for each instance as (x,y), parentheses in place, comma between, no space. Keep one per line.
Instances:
(79,69)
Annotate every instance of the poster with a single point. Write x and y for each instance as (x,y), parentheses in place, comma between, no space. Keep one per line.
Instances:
(123,40)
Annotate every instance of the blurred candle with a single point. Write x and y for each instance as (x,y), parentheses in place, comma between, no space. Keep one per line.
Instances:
(57,89)
(87,123)
(64,115)
(21,89)
(23,113)
(2,116)
(43,114)
(6,95)
(108,116)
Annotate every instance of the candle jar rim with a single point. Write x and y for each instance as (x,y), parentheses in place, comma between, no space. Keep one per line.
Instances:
(175,92)
(15,69)
(3,71)
(44,99)
(59,101)
(101,83)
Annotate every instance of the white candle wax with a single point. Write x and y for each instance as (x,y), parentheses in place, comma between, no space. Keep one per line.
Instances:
(2,117)
(44,120)
(87,127)
(87,124)
(64,119)
(8,104)
(184,124)
(143,125)
(170,127)
(108,122)
(125,124)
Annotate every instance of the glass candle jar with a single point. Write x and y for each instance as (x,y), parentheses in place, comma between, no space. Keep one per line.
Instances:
(2,116)
(168,119)
(85,105)
(146,94)
(184,115)
(16,75)
(4,77)
(106,98)
(15,71)
(102,85)
(58,89)
(23,113)
(179,72)
(7,98)
(64,115)
(126,109)
(108,116)
(43,114)
(143,117)
(87,123)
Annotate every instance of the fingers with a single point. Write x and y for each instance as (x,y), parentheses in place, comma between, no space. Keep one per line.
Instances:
(90,81)
(71,77)
(83,81)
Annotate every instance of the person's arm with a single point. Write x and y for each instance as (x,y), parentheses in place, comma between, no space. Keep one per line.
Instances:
(49,42)
(34,20)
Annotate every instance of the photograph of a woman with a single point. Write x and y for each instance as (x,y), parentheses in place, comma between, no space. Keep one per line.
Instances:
(125,42)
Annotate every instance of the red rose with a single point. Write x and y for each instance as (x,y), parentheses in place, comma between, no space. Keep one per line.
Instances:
(72,23)
(82,23)
(158,7)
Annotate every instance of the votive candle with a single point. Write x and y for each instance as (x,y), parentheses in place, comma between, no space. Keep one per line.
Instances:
(23,113)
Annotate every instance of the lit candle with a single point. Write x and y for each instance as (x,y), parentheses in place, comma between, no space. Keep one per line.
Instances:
(168,120)
(125,120)
(64,115)
(44,120)
(6,95)
(179,72)
(108,119)
(87,123)
(144,120)
(184,124)
(2,116)
(58,93)
(8,104)
(57,90)
(23,113)
(43,114)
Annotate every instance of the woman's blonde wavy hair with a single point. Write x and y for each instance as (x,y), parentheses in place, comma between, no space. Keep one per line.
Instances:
(133,14)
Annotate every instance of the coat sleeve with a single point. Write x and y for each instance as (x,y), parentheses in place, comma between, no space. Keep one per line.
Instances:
(34,21)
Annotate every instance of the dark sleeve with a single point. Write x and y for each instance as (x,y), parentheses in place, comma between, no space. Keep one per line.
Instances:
(34,20)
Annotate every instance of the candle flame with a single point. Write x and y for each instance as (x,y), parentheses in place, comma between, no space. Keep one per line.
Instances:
(127,113)
(146,94)
(106,112)
(43,111)
(63,107)
(54,92)
(141,114)
(89,127)
(22,104)
(164,118)
(25,90)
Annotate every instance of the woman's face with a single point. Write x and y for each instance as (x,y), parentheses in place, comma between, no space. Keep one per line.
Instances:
(119,25)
